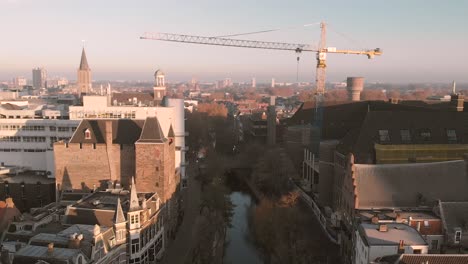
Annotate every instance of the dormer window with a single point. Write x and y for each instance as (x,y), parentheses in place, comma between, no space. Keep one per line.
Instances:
(425,134)
(384,136)
(87,134)
(405,135)
(451,135)
(458,236)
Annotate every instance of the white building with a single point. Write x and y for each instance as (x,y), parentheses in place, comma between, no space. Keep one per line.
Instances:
(19,81)
(378,240)
(27,133)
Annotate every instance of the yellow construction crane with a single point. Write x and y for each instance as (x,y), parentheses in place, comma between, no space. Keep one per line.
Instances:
(321,51)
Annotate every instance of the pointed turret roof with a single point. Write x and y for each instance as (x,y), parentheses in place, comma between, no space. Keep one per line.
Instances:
(84,62)
(119,215)
(171,132)
(134,204)
(152,132)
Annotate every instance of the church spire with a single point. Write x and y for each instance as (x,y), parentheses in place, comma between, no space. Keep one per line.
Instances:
(84,62)
(119,215)
(134,205)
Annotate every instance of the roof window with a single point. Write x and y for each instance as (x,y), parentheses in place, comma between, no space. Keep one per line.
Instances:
(405,135)
(87,134)
(384,136)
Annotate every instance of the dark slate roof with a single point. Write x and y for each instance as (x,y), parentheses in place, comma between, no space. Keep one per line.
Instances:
(402,185)
(127,98)
(84,62)
(124,131)
(152,132)
(360,141)
(99,208)
(31,254)
(432,259)
(454,214)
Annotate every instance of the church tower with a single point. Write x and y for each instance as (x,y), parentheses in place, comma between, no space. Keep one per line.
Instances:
(84,76)
(159,87)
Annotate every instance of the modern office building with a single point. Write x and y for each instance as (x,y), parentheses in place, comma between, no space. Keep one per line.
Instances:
(39,78)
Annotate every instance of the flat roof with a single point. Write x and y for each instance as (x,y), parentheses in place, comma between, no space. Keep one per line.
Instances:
(107,200)
(395,232)
(41,252)
(26,177)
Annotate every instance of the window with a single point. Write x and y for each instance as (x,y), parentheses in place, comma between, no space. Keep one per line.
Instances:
(316,178)
(457,236)
(10,139)
(34,139)
(405,135)
(434,244)
(384,136)
(52,128)
(63,129)
(135,245)
(417,251)
(425,134)
(451,135)
(426,224)
(87,134)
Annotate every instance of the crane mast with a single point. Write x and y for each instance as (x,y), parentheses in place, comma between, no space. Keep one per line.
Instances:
(321,60)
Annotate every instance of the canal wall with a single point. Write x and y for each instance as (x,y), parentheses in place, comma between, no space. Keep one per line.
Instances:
(318,214)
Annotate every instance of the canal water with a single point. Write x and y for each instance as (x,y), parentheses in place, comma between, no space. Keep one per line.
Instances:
(239,246)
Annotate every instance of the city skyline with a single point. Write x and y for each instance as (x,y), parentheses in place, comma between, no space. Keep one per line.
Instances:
(115,52)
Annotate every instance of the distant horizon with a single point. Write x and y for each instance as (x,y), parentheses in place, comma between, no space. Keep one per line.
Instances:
(422,41)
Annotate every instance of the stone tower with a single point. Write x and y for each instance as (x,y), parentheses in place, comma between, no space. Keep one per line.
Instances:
(84,76)
(155,158)
(159,87)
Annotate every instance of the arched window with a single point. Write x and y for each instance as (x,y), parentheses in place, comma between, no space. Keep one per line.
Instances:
(87,134)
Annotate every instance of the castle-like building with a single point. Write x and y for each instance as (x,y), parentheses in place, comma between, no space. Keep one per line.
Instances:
(117,183)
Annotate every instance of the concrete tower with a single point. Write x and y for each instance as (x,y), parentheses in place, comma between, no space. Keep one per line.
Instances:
(84,76)
(271,122)
(159,87)
(39,78)
(355,85)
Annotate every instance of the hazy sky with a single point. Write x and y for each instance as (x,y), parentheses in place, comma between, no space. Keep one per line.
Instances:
(423,40)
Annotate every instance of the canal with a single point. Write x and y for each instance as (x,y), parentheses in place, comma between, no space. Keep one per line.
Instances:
(239,245)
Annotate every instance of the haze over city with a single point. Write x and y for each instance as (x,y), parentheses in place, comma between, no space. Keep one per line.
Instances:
(423,41)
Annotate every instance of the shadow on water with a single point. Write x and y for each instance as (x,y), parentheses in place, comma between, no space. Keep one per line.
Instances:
(239,246)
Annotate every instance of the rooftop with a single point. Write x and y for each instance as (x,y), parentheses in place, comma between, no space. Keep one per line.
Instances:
(396,232)
(425,258)
(410,185)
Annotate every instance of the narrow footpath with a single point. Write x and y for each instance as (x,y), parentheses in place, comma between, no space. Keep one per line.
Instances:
(180,248)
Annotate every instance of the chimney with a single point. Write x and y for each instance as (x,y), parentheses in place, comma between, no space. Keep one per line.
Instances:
(383,228)
(108,132)
(17,247)
(50,248)
(74,241)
